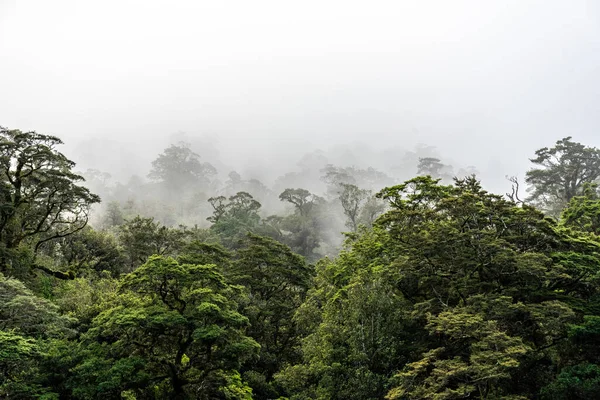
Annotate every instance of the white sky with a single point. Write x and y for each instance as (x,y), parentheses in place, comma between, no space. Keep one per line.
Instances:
(481,79)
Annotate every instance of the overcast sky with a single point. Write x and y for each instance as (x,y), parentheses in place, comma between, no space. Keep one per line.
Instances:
(479,79)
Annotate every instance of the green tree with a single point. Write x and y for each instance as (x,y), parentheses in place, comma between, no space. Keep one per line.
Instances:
(579,382)
(370,178)
(176,334)
(18,356)
(580,376)
(28,324)
(276,281)
(41,198)
(560,173)
(142,237)
(583,212)
(356,332)
(84,252)
(27,314)
(303,230)
(197,252)
(234,217)
(457,243)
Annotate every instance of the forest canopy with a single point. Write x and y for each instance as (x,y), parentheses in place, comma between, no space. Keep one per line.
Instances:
(362,286)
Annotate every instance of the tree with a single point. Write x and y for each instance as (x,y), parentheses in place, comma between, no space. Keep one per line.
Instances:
(577,382)
(372,209)
(176,334)
(234,217)
(86,251)
(18,356)
(583,212)
(302,199)
(219,206)
(27,314)
(356,333)
(302,231)
(179,167)
(369,178)
(40,197)
(433,167)
(276,281)
(113,215)
(28,324)
(201,253)
(142,237)
(352,198)
(560,173)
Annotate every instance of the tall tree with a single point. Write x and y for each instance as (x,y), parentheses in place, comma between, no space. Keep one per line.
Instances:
(234,217)
(276,281)
(372,208)
(177,334)
(178,167)
(303,231)
(560,173)
(27,324)
(142,237)
(352,198)
(433,167)
(41,198)
(369,178)
(302,199)
(86,251)
(583,212)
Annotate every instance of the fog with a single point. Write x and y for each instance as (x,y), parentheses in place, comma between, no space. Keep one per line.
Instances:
(255,85)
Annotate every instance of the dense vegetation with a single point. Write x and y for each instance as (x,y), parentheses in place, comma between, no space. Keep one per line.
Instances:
(184,288)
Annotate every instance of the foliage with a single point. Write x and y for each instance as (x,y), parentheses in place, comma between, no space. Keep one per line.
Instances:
(41,199)
(583,212)
(86,251)
(581,381)
(441,291)
(460,268)
(561,173)
(176,333)
(27,322)
(142,237)
(234,217)
(25,313)
(276,281)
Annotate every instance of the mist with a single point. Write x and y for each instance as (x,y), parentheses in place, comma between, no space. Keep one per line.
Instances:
(255,86)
